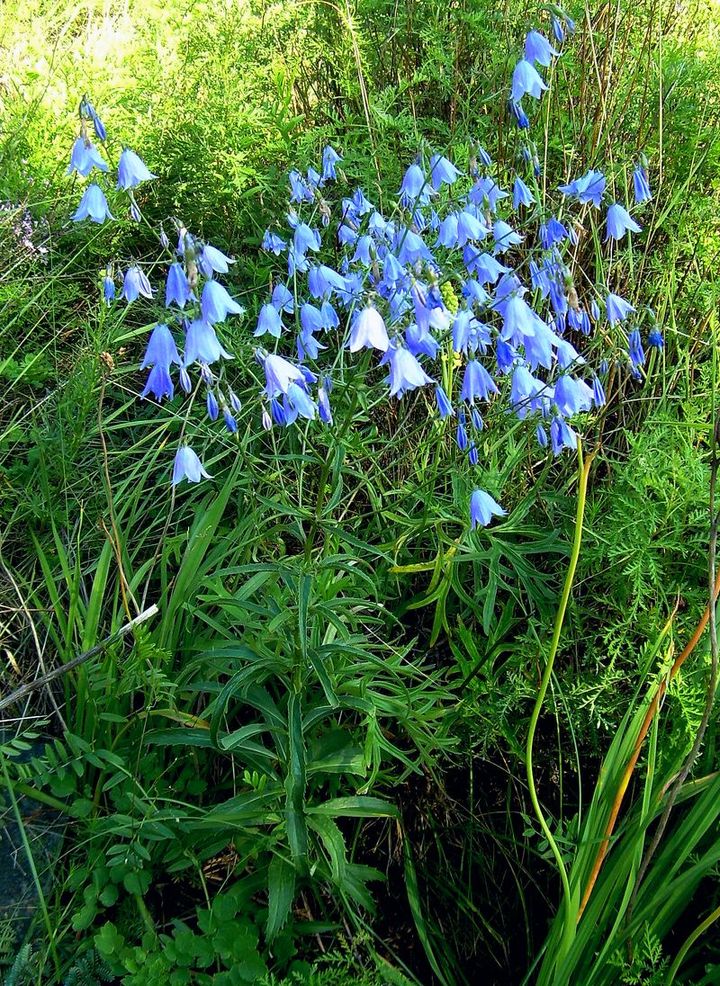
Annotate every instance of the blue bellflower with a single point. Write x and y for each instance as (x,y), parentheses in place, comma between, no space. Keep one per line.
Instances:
(526,80)
(213,260)
(522,194)
(368,331)
(202,344)
(477,383)
(589,188)
(483,508)
(84,157)
(269,322)
(216,304)
(132,171)
(405,371)
(177,287)
(442,172)
(188,466)
(641,184)
(135,284)
(538,49)
(161,353)
(655,338)
(93,205)
(415,188)
(330,158)
(279,374)
(619,222)
(445,408)
(617,308)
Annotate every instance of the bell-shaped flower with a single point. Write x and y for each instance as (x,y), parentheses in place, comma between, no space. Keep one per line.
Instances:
(84,157)
(598,392)
(269,322)
(87,111)
(132,171)
(617,308)
(522,194)
(635,349)
(216,304)
(448,233)
(161,348)
(572,395)
(484,266)
(202,344)
(442,172)
(567,354)
(283,299)
(483,508)
(393,270)
(324,409)
(619,222)
(329,318)
(213,260)
(519,320)
(486,193)
(524,390)
(561,435)
(420,341)
(655,338)
(469,227)
(445,408)
(518,114)
(589,188)
(474,292)
(108,289)
(279,374)
(330,159)
(135,283)
(405,372)
(505,237)
(300,191)
(552,232)
(93,205)
(641,184)
(368,331)
(323,280)
(539,345)
(177,287)
(297,403)
(477,383)
(526,80)
(538,49)
(273,243)
(412,248)
(415,189)
(310,318)
(461,437)
(308,347)
(211,403)
(188,466)
(305,239)
(364,250)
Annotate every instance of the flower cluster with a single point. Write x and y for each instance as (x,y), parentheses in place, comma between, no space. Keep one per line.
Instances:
(466,288)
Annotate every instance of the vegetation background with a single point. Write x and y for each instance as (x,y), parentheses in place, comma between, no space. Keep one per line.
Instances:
(386,677)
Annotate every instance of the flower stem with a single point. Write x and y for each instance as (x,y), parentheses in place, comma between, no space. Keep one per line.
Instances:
(569,922)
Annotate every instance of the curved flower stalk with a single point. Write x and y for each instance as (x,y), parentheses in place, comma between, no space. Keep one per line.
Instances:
(468,290)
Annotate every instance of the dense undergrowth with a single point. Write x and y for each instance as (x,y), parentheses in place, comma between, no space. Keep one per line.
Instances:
(309,765)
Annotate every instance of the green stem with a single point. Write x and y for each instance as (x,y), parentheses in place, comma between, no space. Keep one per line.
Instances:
(689,942)
(33,869)
(569,925)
